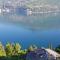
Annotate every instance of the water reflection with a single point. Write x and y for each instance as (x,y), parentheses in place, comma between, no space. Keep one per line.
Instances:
(39,22)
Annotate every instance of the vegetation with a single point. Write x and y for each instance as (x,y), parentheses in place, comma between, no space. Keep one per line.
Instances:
(15,51)
(2,50)
(32,48)
(57,49)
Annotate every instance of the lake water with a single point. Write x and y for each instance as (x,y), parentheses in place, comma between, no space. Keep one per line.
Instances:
(28,30)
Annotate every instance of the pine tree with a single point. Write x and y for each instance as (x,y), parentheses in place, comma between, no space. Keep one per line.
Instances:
(9,49)
(2,50)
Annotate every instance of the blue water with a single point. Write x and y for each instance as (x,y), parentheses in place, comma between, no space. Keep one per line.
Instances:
(27,34)
(28,30)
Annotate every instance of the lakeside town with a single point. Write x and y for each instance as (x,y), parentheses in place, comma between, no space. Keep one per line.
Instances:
(30,9)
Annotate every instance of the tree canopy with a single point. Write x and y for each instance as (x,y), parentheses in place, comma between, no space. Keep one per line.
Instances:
(57,49)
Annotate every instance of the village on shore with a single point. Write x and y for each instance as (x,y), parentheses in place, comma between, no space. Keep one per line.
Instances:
(11,7)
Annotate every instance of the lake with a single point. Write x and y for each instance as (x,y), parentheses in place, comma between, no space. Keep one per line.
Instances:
(28,30)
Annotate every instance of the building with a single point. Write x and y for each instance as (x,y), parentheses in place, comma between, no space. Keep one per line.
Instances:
(23,11)
(0,11)
(6,8)
(45,10)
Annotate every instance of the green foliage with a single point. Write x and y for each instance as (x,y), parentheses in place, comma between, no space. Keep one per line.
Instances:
(32,48)
(14,49)
(15,52)
(2,50)
(57,49)
(9,49)
(17,48)
(23,52)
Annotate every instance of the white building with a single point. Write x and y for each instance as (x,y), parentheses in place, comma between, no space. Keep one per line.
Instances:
(0,11)
(29,12)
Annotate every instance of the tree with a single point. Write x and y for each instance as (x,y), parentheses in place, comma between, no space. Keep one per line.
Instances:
(2,50)
(17,48)
(32,48)
(9,49)
(57,49)
(23,52)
